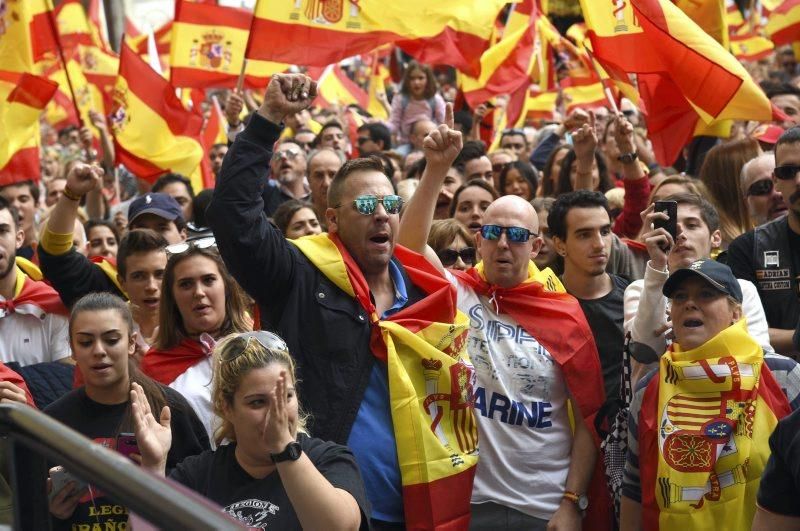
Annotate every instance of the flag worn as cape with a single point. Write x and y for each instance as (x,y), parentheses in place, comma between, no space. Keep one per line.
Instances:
(32,297)
(165,366)
(7,375)
(430,383)
(546,312)
(704,432)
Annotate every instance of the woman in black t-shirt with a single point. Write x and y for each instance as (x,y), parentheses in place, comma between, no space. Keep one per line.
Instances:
(272,474)
(103,344)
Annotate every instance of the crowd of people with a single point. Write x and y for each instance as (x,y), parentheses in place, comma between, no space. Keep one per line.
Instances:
(620,335)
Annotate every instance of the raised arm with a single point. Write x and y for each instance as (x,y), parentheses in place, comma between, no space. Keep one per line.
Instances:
(584,142)
(441,147)
(637,185)
(256,252)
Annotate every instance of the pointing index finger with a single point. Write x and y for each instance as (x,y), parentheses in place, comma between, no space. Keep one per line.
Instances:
(449,121)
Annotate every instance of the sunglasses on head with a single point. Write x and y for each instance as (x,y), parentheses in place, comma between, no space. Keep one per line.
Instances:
(290,154)
(366,204)
(266,339)
(514,234)
(787,172)
(512,132)
(451,256)
(759,188)
(500,167)
(182,247)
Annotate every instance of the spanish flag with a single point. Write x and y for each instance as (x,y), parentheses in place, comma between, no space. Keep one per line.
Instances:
(783,24)
(335,88)
(430,383)
(208,48)
(583,93)
(539,105)
(162,34)
(506,65)
(704,432)
(100,68)
(676,62)
(153,133)
(18,34)
(73,25)
(23,97)
(98,25)
(749,45)
(87,96)
(378,72)
(733,16)
(322,32)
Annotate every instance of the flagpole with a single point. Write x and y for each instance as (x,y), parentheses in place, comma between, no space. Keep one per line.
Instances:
(240,81)
(606,90)
(54,28)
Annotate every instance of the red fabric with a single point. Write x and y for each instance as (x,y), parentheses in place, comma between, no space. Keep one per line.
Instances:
(648,424)
(165,366)
(637,194)
(7,375)
(557,321)
(39,294)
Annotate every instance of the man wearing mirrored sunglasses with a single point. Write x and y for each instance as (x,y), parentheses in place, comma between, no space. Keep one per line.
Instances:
(526,372)
(764,202)
(769,255)
(329,296)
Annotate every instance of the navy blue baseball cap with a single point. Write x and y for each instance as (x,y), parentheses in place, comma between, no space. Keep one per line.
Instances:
(718,275)
(162,205)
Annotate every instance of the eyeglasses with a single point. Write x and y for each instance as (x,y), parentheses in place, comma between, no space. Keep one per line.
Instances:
(266,339)
(514,234)
(760,188)
(787,172)
(497,168)
(366,204)
(290,154)
(450,256)
(201,243)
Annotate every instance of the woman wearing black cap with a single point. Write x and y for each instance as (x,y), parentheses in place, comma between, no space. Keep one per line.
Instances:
(699,426)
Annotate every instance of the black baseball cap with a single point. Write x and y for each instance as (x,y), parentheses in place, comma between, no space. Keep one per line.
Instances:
(162,205)
(718,275)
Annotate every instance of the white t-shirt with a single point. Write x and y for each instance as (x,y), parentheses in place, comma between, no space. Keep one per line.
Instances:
(195,386)
(521,410)
(29,335)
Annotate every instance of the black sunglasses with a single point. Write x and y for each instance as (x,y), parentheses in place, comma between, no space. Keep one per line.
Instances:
(500,167)
(787,172)
(759,188)
(450,256)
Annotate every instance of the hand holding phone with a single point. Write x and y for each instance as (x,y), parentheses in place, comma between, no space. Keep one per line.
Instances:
(670,208)
(127,445)
(61,479)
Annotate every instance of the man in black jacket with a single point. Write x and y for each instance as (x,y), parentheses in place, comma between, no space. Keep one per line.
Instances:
(341,383)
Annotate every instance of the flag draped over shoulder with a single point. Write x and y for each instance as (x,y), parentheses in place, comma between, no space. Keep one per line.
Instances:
(507,64)
(430,384)
(676,62)
(23,97)
(541,306)
(704,433)
(153,132)
(208,45)
(322,32)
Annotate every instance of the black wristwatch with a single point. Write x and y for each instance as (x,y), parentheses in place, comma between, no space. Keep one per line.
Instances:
(627,158)
(292,452)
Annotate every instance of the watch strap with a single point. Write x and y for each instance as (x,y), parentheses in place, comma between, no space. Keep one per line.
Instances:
(292,452)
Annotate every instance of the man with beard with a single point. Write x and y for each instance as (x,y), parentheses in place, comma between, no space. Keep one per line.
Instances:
(580,227)
(769,255)
(33,322)
(287,169)
(764,202)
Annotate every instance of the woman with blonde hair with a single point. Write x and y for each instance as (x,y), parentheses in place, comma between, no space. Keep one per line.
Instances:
(200,303)
(720,173)
(272,474)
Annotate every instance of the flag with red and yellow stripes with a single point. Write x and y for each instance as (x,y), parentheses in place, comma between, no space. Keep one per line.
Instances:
(431,383)
(335,88)
(710,15)
(507,64)
(583,93)
(153,132)
(208,47)
(322,32)
(675,61)
(378,73)
(23,97)
(25,34)
(749,45)
(73,25)
(61,111)
(783,23)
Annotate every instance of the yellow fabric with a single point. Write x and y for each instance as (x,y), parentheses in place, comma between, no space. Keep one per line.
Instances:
(19,125)
(16,52)
(705,479)
(710,15)
(55,243)
(779,21)
(20,282)
(431,365)
(29,268)
(376,86)
(545,276)
(88,96)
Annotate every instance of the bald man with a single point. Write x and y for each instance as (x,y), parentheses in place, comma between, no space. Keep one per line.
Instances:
(533,470)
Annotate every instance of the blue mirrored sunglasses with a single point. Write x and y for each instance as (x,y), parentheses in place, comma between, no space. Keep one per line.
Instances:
(514,234)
